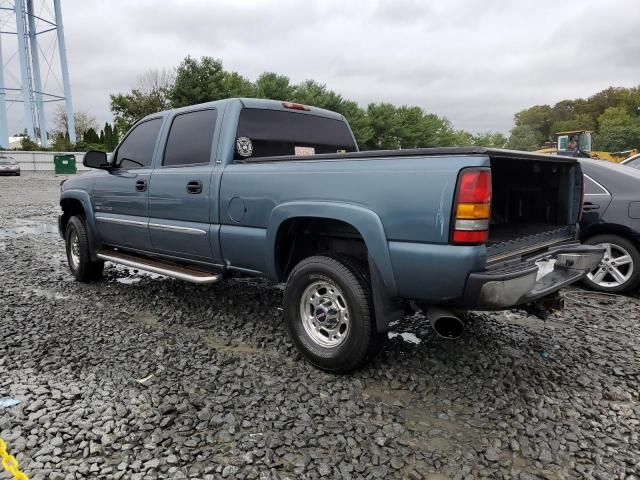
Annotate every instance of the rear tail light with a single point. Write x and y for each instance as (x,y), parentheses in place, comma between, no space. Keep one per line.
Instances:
(472,207)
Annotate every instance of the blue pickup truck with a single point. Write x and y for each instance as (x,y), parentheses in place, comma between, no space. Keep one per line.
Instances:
(280,190)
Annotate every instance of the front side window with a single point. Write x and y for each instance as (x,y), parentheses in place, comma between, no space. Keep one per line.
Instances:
(275,133)
(136,151)
(190,138)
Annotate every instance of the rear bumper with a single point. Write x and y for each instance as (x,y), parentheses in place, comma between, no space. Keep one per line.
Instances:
(510,285)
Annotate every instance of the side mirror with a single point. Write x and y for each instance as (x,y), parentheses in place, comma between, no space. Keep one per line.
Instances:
(95,159)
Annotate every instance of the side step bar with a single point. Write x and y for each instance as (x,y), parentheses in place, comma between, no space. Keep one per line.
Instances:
(174,271)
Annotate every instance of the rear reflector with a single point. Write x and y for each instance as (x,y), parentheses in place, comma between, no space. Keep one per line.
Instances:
(295,106)
(472,207)
(469,237)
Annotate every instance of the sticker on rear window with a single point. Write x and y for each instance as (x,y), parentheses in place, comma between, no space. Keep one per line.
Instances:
(304,150)
(244,146)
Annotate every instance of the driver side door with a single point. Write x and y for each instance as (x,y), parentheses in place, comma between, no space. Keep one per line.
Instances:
(121,195)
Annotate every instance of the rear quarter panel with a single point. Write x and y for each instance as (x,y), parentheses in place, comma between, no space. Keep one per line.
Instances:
(412,197)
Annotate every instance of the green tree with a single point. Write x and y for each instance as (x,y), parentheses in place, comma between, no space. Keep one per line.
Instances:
(538,118)
(90,136)
(524,137)
(615,117)
(490,139)
(61,142)
(273,86)
(29,145)
(618,138)
(313,93)
(359,122)
(198,81)
(385,127)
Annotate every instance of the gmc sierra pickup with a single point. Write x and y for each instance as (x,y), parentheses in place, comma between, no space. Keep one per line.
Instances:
(280,190)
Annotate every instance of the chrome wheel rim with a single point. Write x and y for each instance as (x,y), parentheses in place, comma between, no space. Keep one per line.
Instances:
(615,269)
(74,250)
(325,314)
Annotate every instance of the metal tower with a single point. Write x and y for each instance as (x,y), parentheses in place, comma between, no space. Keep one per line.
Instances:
(19,20)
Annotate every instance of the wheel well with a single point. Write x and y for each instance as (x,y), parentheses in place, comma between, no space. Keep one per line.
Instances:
(70,207)
(611,228)
(302,237)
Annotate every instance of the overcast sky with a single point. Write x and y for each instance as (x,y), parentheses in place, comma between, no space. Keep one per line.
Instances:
(476,62)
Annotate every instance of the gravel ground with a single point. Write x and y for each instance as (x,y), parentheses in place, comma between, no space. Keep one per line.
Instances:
(140,377)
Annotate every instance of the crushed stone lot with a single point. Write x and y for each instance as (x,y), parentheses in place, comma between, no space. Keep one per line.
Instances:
(144,377)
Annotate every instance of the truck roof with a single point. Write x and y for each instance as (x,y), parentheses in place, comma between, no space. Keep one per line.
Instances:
(256,103)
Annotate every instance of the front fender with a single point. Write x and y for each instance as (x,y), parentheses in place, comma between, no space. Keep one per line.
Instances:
(362,219)
(83,197)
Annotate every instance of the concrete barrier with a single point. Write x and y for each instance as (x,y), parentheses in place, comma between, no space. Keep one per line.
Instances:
(42,161)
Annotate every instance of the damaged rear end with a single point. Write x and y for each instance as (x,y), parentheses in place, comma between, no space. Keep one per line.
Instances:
(525,209)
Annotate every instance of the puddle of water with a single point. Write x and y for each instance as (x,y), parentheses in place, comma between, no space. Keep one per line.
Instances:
(406,336)
(27,227)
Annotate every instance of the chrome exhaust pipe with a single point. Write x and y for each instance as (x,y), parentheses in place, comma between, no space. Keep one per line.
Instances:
(445,323)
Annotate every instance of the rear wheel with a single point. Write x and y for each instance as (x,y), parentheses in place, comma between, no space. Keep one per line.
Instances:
(619,270)
(78,254)
(329,312)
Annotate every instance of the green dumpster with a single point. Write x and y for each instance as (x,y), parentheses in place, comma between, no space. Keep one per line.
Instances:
(64,164)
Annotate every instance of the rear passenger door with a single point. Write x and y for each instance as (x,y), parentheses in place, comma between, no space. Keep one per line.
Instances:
(180,200)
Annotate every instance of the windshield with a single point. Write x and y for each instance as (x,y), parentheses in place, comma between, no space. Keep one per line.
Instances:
(584,142)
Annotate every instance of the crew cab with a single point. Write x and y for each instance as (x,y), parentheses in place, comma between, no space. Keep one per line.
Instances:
(280,190)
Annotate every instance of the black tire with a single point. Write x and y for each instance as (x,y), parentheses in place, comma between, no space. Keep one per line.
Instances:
(618,245)
(360,340)
(80,263)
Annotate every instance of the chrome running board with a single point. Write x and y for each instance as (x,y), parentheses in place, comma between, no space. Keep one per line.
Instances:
(174,271)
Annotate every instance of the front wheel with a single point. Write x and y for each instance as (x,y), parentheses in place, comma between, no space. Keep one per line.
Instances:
(78,254)
(619,270)
(329,312)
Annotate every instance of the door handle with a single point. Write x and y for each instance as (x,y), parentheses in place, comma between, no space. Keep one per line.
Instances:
(141,185)
(586,206)
(194,186)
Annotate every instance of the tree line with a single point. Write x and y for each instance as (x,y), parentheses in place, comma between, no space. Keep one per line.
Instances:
(88,134)
(612,114)
(376,126)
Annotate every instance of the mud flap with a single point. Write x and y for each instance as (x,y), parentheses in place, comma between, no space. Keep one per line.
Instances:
(387,310)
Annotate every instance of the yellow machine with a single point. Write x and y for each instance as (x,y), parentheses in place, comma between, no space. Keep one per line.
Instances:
(578,143)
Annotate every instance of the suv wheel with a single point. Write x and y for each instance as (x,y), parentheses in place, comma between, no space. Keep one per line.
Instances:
(329,313)
(78,255)
(619,270)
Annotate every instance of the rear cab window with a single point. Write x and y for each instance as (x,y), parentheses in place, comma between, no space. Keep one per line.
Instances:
(271,133)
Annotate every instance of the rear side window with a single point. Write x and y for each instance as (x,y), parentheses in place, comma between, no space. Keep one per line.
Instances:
(276,133)
(136,151)
(190,138)
(591,187)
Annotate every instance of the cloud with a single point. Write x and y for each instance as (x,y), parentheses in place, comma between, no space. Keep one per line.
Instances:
(476,63)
